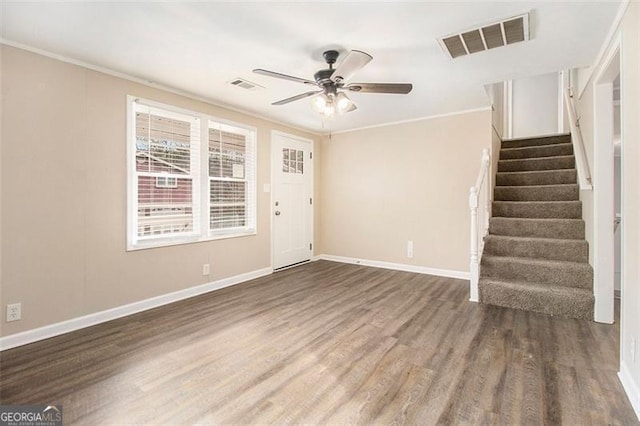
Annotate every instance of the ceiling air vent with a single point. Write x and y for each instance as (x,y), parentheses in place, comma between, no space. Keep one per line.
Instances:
(245,84)
(496,34)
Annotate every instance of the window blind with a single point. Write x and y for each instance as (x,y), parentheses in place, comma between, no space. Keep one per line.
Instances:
(166,151)
(231,178)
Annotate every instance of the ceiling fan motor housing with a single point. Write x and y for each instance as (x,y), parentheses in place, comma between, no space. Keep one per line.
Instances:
(323,77)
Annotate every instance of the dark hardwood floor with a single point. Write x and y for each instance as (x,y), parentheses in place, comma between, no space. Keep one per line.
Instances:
(327,343)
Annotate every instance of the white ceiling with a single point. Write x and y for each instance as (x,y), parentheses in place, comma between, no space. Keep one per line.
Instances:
(199,47)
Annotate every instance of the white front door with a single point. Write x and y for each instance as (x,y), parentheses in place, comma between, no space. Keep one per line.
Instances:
(291,200)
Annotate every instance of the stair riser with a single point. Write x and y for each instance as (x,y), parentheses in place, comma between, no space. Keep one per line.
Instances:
(553,210)
(537,193)
(531,164)
(537,229)
(576,275)
(552,177)
(566,250)
(571,306)
(536,142)
(536,151)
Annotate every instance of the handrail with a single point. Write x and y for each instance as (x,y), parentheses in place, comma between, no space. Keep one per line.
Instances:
(479,222)
(582,164)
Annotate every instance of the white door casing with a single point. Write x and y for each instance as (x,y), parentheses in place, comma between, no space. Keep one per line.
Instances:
(603,188)
(291,199)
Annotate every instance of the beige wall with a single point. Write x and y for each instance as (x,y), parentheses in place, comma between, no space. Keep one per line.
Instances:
(64,197)
(383,186)
(630,86)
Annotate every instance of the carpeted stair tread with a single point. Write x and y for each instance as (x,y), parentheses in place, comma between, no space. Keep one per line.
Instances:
(537,151)
(538,248)
(535,256)
(556,272)
(548,140)
(537,177)
(538,297)
(563,192)
(531,164)
(537,228)
(538,209)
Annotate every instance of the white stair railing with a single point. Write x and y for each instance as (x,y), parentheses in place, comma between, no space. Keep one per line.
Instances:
(479,195)
(582,165)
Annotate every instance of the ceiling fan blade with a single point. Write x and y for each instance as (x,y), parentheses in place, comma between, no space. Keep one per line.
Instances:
(354,61)
(283,76)
(353,107)
(398,88)
(297,97)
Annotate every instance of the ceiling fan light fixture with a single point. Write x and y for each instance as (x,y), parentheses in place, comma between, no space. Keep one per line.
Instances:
(343,103)
(329,104)
(319,103)
(329,109)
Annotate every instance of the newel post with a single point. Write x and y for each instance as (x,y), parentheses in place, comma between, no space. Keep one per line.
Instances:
(474,267)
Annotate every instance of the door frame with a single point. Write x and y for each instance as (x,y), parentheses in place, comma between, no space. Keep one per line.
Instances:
(274,164)
(603,200)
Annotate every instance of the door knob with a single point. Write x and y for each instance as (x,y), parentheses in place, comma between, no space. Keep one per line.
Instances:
(277,213)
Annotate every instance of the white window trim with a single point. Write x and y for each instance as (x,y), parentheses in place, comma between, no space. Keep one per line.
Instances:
(166,183)
(202,230)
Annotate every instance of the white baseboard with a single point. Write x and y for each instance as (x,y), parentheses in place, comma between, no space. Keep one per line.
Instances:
(30,336)
(397,266)
(630,387)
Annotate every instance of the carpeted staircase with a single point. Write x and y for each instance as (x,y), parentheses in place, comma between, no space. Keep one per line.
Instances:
(535,256)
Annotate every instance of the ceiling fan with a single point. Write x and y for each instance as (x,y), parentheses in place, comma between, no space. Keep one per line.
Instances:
(331,98)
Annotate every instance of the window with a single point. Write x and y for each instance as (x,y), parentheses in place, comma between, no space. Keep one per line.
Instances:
(292,161)
(228,185)
(166,182)
(180,189)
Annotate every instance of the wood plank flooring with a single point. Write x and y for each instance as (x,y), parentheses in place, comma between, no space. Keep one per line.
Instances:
(327,343)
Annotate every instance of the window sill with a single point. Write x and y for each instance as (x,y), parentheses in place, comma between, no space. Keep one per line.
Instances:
(173,241)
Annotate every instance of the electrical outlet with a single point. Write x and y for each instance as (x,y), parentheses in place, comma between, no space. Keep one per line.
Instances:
(14,312)
(206,270)
(410,249)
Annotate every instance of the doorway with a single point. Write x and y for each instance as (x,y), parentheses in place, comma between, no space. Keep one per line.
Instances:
(604,195)
(291,199)
(617,185)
